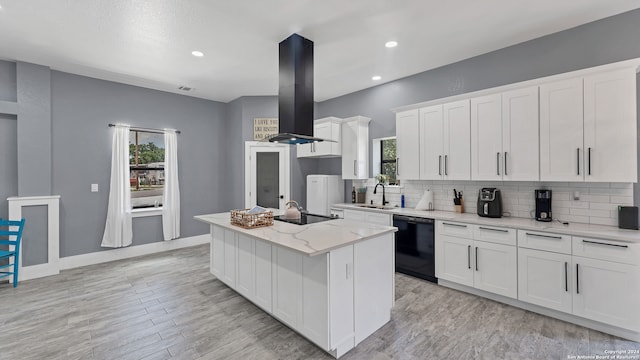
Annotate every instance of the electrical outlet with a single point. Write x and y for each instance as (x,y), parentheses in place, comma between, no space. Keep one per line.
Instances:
(576,195)
(94,187)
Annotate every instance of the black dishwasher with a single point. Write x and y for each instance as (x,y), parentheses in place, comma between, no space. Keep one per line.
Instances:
(415,248)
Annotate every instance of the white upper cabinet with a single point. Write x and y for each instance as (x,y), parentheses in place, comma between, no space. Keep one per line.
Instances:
(504,136)
(561,131)
(560,128)
(486,138)
(326,128)
(520,140)
(457,139)
(588,128)
(355,148)
(444,141)
(431,143)
(408,145)
(610,133)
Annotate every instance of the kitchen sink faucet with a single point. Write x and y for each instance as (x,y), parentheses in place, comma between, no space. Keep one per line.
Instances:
(384,201)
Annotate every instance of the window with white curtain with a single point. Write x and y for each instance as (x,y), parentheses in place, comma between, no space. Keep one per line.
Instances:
(146,163)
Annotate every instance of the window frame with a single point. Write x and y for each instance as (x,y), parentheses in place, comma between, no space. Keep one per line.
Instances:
(148,210)
(383,161)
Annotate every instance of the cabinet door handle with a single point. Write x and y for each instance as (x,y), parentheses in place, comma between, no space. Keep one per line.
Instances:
(566,276)
(397,166)
(355,167)
(486,228)
(445,165)
(600,243)
(497,163)
(578,161)
(505,163)
(545,236)
(439,164)
(476,258)
(469,256)
(578,278)
(589,161)
(457,225)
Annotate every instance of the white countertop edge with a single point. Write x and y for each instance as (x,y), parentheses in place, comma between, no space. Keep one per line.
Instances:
(222,219)
(574,229)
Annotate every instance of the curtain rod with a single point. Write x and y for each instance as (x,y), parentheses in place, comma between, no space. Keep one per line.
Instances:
(159,131)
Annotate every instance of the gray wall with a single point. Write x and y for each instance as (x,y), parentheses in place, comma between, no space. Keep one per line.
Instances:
(82,109)
(8,84)
(241,113)
(8,161)
(597,43)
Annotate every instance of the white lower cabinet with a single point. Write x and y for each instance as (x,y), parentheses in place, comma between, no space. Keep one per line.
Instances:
(287,285)
(245,283)
(217,251)
(484,265)
(318,296)
(544,278)
(496,268)
(263,275)
(606,291)
(453,259)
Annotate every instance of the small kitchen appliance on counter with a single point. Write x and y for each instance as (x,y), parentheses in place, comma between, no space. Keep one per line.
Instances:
(490,203)
(543,205)
(628,217)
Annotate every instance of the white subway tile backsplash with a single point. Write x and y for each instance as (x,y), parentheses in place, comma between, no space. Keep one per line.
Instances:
(623,200)
(603,221)
(595,198)
(598,202)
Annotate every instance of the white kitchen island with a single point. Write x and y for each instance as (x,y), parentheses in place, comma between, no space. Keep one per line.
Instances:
(332,282)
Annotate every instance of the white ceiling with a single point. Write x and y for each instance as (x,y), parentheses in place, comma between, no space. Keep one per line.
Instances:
(149,43)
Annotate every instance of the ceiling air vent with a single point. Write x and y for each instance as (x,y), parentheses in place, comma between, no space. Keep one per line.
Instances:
(185,88)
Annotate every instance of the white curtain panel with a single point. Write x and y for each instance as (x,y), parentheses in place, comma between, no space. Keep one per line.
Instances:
(171,195)
(118,230)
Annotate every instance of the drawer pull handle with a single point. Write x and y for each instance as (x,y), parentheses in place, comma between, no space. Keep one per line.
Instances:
(500,230)
(477,259)
(577,278)
(600,243)
(566,276)
(545,236)
(458,225)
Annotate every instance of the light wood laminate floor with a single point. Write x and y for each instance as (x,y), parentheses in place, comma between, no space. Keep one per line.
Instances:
(168,306)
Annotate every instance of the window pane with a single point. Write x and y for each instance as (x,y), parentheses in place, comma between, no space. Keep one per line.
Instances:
(146,150)
(389,149)
(389,169)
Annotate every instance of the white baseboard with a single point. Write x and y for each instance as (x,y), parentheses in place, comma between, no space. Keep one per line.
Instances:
(36,271)
(99,257)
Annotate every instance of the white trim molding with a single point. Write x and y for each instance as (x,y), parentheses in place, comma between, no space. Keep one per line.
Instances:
(99,257)
(52,266)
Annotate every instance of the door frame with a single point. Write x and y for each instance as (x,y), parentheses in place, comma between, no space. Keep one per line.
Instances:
(249,175)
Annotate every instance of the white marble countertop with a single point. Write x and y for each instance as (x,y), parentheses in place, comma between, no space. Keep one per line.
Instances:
(574,229)
(312,239)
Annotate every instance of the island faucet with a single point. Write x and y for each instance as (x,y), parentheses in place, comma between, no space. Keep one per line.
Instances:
(384,201)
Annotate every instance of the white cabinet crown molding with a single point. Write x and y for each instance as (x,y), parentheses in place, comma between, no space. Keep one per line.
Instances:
(626,64)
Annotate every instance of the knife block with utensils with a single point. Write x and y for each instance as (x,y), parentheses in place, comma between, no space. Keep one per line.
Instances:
(458,201)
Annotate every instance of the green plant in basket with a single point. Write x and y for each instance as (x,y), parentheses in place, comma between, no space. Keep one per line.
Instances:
(382,179)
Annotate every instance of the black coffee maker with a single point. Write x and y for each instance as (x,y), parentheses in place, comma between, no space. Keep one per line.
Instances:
(543,205)
(490,203)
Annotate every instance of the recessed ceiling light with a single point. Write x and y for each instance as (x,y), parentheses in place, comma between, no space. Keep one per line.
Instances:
(391,44)
(197,53)
(376,77)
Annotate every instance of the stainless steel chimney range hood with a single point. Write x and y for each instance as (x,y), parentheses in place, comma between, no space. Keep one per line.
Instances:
(295,94)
